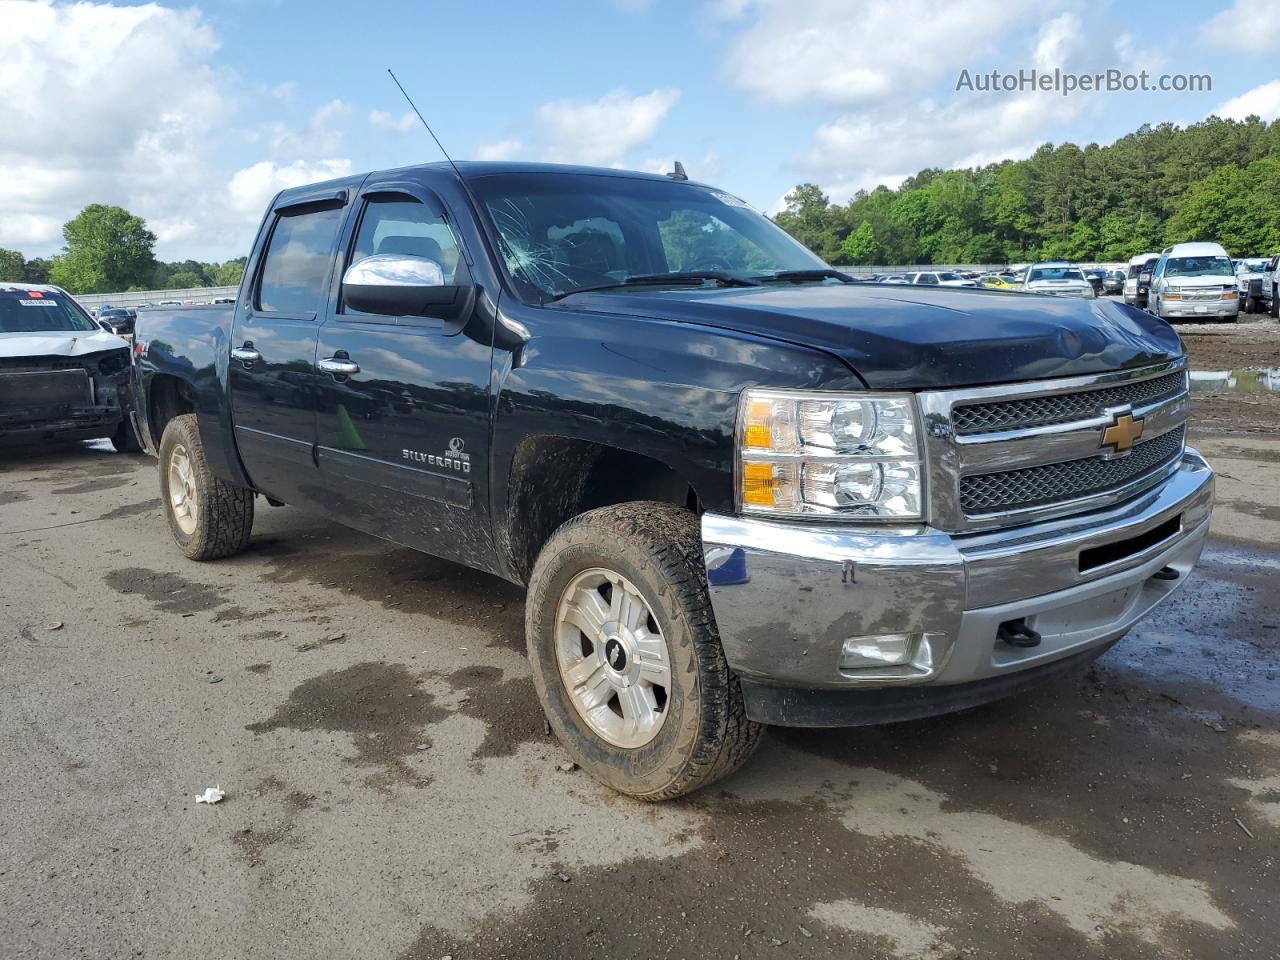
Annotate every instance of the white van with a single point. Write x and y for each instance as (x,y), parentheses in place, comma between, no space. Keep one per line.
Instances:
(1194,281)
(1135,283)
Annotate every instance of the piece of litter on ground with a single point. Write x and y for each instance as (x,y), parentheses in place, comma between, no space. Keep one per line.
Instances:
(215,679)
(562,877)
(568,766)
(56,626)
(1240,824)
(211,795)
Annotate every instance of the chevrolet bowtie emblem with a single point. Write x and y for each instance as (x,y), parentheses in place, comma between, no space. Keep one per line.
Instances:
(1122,433)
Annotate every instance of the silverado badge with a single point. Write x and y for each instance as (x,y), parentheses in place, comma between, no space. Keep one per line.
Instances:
(1122,433)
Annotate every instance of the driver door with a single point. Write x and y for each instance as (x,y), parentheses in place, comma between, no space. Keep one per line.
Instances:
(403,419)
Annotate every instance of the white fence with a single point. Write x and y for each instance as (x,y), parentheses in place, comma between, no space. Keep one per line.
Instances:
(139,298)
(901,268)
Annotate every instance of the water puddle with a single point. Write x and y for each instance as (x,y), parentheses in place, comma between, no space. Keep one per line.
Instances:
(1221,629)
(1250,380)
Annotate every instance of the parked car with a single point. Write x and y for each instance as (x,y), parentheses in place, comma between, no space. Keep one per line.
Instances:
(61,375)
(118,320)
(1250,274)
(993,282)
(1137,280)
(1113,282)
(1193,281)
(704,453)
(1058,278)
(1271,286)
(943,278)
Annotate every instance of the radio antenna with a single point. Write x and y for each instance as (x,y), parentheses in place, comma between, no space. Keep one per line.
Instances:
(408,98)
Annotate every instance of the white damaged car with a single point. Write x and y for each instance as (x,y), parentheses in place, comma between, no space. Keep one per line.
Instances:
(1058,278)
(61,374)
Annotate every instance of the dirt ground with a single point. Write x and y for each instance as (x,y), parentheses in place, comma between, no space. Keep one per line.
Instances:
(391,791)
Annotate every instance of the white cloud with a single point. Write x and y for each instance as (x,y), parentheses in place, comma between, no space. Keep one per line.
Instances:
(1252,25)
(320,136)
(1262,101)
(603,131)
(387,121)
(852,52)
(249,189)
(104,104)
(889,142)
(510,148)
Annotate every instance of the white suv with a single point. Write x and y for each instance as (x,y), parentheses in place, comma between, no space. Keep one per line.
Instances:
(941,278)
(1194,281)
(1058,278)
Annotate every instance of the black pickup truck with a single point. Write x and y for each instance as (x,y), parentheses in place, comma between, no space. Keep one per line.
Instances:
(740,488)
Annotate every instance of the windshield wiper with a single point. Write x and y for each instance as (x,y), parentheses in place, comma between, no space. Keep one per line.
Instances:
(685,278)
(799,276)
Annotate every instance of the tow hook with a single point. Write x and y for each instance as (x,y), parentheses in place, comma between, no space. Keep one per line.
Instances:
(1166,573)
(1016,633)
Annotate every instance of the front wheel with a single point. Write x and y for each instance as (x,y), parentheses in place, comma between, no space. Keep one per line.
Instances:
(626,657)
(1275,302)
(208,517)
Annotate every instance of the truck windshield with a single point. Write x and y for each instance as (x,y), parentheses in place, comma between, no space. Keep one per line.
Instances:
(1253,266)
(37,311)
(560,232)
(1055,273)
(1198,267)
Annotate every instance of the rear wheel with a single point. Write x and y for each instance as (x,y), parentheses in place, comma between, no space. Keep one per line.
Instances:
(626,657)
(1275,301)
(208,517)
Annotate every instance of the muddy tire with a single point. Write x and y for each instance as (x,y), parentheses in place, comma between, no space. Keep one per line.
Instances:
(209,518)
(619,594)
(124,440)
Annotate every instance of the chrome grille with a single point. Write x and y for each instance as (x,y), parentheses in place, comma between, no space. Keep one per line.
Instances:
(1063,408)
(1019,453)
(1070,480)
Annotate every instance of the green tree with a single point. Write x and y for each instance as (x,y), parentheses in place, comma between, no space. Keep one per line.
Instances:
(229,273)
(107,249)
(12,266)
(36,270)
(860,246)
(184,279)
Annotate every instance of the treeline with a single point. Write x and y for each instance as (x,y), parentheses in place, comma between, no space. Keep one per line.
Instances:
(109,250)
(1216,180)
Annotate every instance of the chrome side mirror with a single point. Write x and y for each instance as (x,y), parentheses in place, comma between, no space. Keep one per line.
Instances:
(401,285)
(394,270)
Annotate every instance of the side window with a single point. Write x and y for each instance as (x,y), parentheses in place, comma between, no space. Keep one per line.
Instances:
(929,278)
(405,226)
(297,261)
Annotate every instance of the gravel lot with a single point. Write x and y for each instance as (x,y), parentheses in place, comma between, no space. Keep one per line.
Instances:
(390,790)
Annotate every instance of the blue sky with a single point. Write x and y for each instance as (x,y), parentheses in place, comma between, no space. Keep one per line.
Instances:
(191,116)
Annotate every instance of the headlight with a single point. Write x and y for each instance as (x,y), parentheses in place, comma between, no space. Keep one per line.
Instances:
(829,454)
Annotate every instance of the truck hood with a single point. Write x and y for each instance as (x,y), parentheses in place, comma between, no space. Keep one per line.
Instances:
(56,343)
(911,338)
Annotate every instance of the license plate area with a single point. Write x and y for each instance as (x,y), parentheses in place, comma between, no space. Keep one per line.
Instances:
(1119,550)
(42,389)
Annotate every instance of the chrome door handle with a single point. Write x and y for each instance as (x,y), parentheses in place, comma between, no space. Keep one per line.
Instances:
(246,354)
(339,367)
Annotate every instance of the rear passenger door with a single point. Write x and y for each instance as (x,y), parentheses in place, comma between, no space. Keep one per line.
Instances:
(272,373)
(403,438)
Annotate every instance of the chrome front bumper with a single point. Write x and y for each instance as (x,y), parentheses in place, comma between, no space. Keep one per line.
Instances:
(787,596)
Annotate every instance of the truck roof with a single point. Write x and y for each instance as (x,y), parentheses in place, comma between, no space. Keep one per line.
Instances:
(1196,250)
(42,287)
(1143,258)
(473,169)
